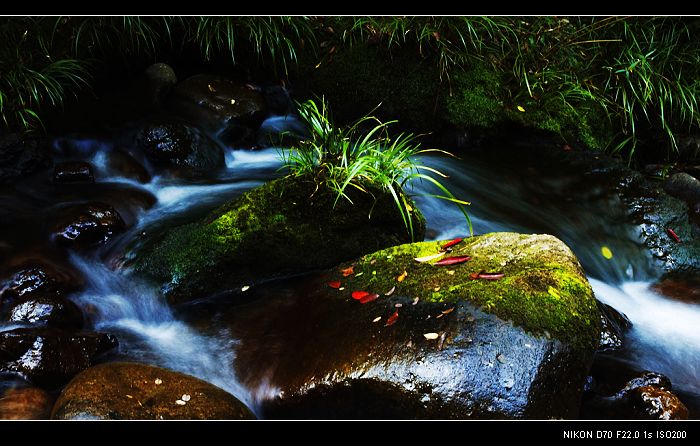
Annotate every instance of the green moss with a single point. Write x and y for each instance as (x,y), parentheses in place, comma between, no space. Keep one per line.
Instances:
(284,227)
(475,99)
(543,289)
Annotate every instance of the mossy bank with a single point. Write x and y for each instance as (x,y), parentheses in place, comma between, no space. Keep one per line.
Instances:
(287,226)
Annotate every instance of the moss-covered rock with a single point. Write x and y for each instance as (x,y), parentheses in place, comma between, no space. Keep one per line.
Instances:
(286,226)
(518,347)
(543,290)
(130,391)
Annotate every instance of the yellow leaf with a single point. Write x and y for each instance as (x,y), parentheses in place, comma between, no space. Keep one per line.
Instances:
(607,253)
(402,276)
(431,336)
(430,257)
(520,108)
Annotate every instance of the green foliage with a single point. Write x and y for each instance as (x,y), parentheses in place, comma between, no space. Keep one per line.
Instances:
(362,154)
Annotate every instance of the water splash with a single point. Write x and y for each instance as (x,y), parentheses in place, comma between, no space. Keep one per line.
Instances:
(147,328)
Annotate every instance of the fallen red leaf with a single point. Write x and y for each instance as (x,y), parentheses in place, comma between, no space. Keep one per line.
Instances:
(357,295)
(452,260)
(335,284)
(348,271)
(491,276)
(473,276)
(673,234)
(451,243)
(392,319)
(369,298)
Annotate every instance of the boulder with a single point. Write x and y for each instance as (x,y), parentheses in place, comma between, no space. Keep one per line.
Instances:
(178,144)
(130,391)
(87,224)
(656,212)
(50,357)
(645,397)
(684,287)
(224,100)
(47,310)
(284,227)
(121,163)
(161,79)
(614,325)
(442,344)
(25,403)
(37,276)
(73,172)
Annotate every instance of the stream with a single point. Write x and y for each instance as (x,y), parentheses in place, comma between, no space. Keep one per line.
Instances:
(505,196)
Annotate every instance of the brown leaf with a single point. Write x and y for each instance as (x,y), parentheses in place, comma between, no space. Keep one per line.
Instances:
(348,271)
(448,311)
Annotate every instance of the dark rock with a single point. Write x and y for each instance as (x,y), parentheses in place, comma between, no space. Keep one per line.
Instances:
(25,403)
(161,79)
(224,100)
(20,156)
(284,227)
(684,287)
(130,391)
(277,100)
(645,397)
(36,276)
(73,172)
(53,311)
(50,357)
(177,144)
(683,186)
(613,327)
(655,212)
(88,224)
(120,163)
(315,352)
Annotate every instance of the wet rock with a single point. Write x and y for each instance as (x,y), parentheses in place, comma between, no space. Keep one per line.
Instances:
(88,224)
(177,144)
(130,391)
(50,357)
(36,276)
(518,347)
(286,226)
(613,327)
(683,186)
(20,156)
(73,172)
(277,100)
(161,79)
(655,212)
(121,163)
(26,403)
(645,397)
(684,287)
(224,100)
(47,310)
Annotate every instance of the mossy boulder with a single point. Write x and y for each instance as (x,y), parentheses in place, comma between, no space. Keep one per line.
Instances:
(130,391)
(287,226)
(440,345)
(543,289)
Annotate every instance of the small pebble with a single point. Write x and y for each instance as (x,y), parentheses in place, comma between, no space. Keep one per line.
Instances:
(185,397)
(158,381)
(180,402)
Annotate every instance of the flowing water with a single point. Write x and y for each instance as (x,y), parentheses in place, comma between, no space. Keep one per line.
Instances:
(506,196)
